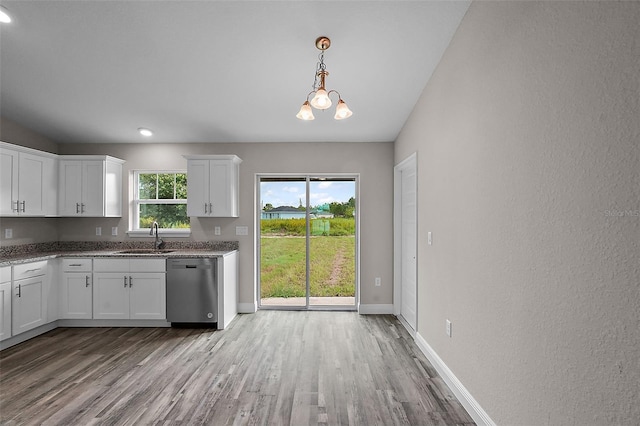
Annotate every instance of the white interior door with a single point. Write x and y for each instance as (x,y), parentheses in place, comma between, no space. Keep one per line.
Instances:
(409,301)
(406,229)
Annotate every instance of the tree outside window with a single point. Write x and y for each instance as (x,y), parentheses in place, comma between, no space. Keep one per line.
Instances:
(161,197)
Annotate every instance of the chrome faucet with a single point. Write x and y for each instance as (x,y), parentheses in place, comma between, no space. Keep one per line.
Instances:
(159,244)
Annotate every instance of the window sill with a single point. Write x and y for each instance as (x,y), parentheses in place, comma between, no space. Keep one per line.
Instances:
(164,233)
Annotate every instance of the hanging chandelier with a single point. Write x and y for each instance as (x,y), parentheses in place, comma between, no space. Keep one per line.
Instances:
(321,98)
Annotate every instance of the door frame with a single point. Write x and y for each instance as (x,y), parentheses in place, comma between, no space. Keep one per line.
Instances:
(257,245)
(410,162)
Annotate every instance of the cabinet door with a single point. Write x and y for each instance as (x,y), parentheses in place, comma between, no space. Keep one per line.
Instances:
(76,296)
(70,188)
(220,189)
(8,182)
(148,296)
(31,175)
(93,187)
(198,188)
(110,295)
(29,304)
(5,310)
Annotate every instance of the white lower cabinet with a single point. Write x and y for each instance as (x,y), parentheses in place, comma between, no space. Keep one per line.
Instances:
(138,291)
(5,302)
(76,289)
(29,308)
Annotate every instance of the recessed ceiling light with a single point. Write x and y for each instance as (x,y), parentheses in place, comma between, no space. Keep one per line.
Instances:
(4,15)
(145,132)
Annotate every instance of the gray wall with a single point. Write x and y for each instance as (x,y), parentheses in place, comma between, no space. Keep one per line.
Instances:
(28,230)
(527,139)
(374,162)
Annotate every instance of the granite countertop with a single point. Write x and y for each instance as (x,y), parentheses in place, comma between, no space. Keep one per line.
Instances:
(87,249)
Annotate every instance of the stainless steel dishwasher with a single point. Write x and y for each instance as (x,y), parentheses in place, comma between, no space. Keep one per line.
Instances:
(192,291)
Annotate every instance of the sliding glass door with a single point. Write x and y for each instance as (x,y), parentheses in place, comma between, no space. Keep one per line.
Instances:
(307,242)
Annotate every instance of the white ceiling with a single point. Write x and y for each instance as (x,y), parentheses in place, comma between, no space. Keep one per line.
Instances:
(216,71)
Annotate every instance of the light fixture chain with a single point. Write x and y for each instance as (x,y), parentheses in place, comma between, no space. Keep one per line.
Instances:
(320,67)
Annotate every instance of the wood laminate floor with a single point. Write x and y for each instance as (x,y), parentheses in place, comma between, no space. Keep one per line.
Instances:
(272,367)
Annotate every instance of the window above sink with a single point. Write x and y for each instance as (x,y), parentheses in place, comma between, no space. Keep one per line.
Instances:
(160,196)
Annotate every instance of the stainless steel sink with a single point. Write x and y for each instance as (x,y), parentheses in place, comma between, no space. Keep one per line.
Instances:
(144,251)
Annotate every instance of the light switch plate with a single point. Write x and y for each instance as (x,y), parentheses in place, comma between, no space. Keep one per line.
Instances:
(8,233)
(429,238)
(242,230)
(98,230)
(216,230)
(114,230)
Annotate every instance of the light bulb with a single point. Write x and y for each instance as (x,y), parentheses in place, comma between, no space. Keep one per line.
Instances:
(305,112)
(342,111)
(145,132)
(321,99)
(4,15)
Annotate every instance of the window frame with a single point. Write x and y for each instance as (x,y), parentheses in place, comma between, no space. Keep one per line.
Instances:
(135,202)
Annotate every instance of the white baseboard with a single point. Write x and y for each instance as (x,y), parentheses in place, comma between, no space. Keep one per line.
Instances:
(247,308)
(23,337)
(112,323)
(466,399)
(375,309)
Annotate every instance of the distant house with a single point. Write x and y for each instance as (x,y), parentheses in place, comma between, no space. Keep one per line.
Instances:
(289,212)
(321,214)
(283,212)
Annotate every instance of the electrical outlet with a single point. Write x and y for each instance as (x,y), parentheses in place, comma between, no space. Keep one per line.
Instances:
(114,230)
(448,325)
(429,238)
(378,282)
(8,233)
(98,230)
(216,230)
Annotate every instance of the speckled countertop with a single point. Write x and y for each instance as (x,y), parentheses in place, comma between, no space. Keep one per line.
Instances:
(33,252)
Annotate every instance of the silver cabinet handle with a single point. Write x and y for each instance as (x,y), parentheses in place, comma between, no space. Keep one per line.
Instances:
(77,207)
(24,206)
(210,208)
(205,208)
(130,281)
(16,208)
(75,264)
(19,290)
(82,208)
(125,281)
(86,281)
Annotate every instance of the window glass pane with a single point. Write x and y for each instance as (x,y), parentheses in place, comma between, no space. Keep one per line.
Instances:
(167,215)
(166,186)
(181,186)
(147,186)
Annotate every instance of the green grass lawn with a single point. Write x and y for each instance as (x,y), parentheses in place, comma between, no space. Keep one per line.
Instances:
(282,261)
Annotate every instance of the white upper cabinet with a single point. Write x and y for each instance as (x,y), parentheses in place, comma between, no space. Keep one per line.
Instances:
(212,185)
(27,182)
(90,186)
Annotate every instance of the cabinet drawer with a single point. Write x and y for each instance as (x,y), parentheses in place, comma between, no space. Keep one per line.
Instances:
(76,265)
(148,265)
(28,270)
(128,264)
(5,274)
(111,265)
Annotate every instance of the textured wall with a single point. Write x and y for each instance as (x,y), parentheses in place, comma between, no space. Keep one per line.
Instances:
(528,161)
(374,162)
